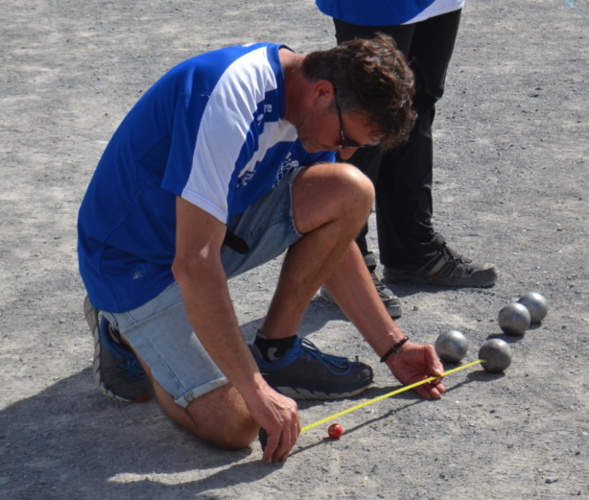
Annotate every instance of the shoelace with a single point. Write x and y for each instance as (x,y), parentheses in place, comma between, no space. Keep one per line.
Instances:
(381,288)
(326,359)
(452,255)
(453,261)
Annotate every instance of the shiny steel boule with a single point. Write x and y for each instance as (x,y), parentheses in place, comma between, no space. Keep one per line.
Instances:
(514,319)
(536,305)
(496,355)
(451,346)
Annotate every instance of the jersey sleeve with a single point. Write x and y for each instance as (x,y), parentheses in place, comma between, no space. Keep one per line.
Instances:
(212,133)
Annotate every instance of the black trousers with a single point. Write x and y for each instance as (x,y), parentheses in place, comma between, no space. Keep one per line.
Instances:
(403,177)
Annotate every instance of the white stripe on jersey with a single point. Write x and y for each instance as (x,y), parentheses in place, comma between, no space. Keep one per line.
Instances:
(225,123)
(274,132)
(437,8)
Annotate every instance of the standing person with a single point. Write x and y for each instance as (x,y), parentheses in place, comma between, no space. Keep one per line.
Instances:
(225,163)
(411,251)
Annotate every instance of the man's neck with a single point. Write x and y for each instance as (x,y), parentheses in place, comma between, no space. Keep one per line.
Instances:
(295,84)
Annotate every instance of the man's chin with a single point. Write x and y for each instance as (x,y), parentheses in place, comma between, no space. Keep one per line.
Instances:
(306,146)
(312,148)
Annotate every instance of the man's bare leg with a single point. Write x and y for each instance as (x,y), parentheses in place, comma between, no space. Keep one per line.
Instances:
(331,203)
(219,417)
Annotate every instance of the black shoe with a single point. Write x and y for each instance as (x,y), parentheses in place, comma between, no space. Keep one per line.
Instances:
(117,371)
(306,373)
(389,299)
(447,268)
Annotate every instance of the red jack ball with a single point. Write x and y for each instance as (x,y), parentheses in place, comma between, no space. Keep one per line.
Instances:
(335,431)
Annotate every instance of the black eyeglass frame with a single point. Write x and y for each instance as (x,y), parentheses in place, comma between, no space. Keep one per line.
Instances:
(345,142)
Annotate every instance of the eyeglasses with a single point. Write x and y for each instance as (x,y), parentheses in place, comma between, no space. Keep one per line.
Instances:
(345,142)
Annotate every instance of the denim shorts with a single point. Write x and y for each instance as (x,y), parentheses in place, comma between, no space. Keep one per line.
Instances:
(159,330)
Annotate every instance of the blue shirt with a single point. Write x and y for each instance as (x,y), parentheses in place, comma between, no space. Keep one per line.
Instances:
(212,131)
(386,12)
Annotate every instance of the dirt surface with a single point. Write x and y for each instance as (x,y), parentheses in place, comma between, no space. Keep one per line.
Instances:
(511,183)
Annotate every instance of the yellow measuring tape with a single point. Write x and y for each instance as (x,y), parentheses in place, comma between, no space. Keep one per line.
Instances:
(388,395)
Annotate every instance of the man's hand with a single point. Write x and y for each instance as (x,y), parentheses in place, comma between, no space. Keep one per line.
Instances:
(278,416)
(199,273)
(415,362)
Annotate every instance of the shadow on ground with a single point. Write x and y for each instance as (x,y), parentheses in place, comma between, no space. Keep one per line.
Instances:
(95,447)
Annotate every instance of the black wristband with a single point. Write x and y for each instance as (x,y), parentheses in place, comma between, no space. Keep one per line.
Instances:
(394,349)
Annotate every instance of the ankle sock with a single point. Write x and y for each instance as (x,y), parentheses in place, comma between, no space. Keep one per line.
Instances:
(273,349)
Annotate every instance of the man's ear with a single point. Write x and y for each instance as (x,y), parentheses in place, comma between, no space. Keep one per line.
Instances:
(323,92)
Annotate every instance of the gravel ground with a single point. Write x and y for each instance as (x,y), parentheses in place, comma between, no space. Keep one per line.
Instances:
(511,183)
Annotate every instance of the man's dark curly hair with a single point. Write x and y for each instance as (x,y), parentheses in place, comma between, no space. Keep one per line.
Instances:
(371,77)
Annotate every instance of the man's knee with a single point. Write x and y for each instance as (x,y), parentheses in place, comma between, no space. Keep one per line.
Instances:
(221,418)
(356,187)
(352,193)
(329,192)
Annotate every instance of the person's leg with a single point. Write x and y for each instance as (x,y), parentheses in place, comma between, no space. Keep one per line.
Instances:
(115,369)
(368,160)
(404,197)
(331,202)
(186,382)
(320,214)
(219,417)
(410,249)
(328,206)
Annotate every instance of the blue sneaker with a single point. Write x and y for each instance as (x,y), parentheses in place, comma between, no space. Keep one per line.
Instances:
(116,370)
(305,373)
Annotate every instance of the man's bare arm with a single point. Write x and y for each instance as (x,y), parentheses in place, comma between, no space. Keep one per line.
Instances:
(202,280)
(353,290)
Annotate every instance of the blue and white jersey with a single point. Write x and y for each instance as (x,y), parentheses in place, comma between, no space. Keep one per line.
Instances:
(386,12)
(212,131)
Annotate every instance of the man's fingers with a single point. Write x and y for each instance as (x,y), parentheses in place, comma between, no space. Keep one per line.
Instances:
(436,367)
(278,445)
(288,439)
(431,390)
(272,442)
(286,444)
(439,386)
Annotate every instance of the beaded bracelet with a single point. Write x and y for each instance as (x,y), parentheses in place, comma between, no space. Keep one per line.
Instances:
(394,349)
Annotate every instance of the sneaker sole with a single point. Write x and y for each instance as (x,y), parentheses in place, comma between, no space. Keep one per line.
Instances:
(395,311)
(90,312)
(302,393)
(412,279)
(96,370)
